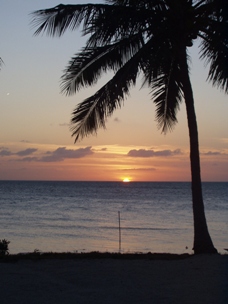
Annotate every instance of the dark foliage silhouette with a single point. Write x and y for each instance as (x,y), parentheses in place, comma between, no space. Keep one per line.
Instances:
(4,249)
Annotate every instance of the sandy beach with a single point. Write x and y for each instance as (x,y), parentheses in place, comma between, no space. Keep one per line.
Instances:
(195,279)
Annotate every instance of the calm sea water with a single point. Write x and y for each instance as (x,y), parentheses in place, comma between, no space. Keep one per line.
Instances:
(83,216)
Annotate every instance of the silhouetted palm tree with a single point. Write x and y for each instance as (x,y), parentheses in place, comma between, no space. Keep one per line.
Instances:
(148,38)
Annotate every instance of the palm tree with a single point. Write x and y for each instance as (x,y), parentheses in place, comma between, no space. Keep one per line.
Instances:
(149,38)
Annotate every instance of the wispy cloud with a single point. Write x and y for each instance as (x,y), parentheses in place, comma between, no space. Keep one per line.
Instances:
(5,152)
(59,154)
(214,153)
(138,169)
(116,119)
(62,153)
(27,159)
(101,149)
(26,152)
(151,153)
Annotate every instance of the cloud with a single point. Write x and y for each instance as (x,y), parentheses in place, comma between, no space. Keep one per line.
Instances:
(210,153)
(27,159)
(102,149)
(62,153)
(26,152)
(151,153)
(5,152)
(50,156)
(117,119)
(139,169)
(25,141)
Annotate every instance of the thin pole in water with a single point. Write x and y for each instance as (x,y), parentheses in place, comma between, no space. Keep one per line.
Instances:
(119,232)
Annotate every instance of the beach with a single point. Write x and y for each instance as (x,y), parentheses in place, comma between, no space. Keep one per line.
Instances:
(194,279)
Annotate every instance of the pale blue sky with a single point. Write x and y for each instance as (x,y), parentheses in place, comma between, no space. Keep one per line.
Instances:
(34,115)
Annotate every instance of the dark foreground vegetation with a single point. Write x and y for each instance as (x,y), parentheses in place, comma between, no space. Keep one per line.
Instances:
(36,255)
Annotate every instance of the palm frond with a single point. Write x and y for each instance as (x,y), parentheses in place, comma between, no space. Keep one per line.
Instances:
(217,57)
(162,74)
(56,20)
(106,27)
(214,48)
(99,19)
(145,4)
(88,65)
(167,93)
(92,113)
(149,32)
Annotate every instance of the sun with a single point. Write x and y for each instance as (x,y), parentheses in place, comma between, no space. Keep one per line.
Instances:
(126,180)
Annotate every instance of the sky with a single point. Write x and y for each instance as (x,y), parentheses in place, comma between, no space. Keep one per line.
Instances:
(35,139)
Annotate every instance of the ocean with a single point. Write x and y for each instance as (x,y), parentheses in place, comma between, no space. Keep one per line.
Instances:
(108,216)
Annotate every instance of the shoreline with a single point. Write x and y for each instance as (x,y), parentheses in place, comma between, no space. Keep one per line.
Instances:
(38,255)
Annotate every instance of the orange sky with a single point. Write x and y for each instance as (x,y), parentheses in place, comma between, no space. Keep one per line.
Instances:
(107,163)
(35,140)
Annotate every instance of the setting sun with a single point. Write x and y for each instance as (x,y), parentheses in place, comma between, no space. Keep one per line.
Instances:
(126,180)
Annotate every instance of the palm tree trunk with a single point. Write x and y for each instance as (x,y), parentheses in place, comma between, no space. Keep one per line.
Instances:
(202,239)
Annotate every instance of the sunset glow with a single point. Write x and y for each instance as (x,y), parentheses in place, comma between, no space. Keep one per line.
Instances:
(129,149)
(126,180)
